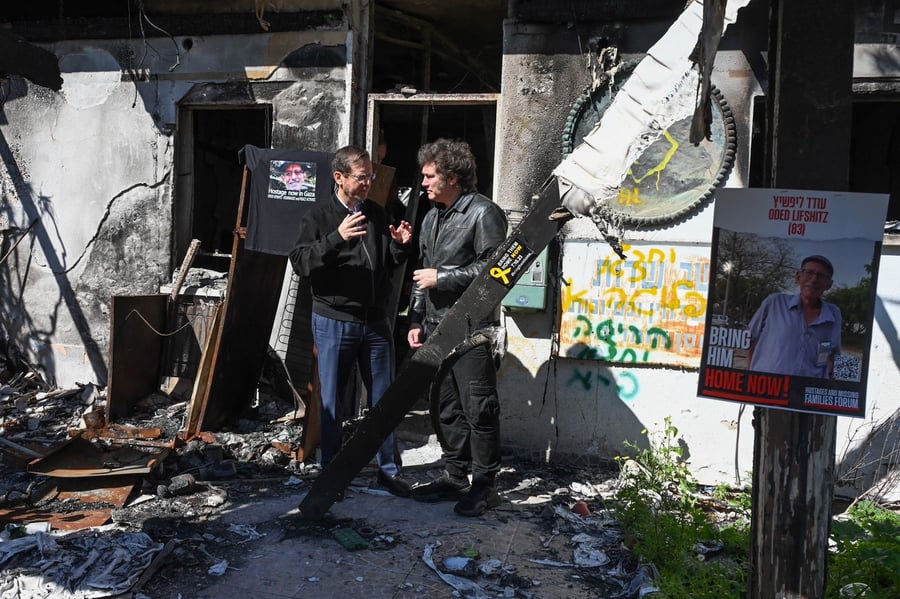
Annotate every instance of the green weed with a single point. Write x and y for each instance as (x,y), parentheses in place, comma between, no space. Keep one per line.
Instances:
(667,523)
(865,553)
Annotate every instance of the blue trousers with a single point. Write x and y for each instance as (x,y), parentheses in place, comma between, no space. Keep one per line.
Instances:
(342,345)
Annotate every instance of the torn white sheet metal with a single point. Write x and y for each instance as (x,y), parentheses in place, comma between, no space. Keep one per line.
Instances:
(465,587)
(76,566)
(661,91)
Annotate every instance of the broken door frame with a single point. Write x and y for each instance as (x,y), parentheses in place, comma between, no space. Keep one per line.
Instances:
(425,100)
(240,341)
(373,114)
(184,204)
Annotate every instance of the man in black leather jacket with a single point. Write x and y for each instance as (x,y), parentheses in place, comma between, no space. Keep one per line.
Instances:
(457,237)
(348,250)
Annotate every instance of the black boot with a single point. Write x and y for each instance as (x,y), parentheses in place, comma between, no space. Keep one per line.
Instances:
(480,498)
(443,488)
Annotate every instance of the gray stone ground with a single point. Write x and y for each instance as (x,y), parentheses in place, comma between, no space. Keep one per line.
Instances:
(242,535)
(296,558)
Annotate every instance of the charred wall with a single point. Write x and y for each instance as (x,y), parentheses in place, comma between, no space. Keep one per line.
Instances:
(92,179)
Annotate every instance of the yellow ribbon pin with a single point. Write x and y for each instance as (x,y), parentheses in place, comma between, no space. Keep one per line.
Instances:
(500,273)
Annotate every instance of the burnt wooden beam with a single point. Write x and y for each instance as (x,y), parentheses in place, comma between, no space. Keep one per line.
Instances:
(508,263)
(240,343)
(19,57)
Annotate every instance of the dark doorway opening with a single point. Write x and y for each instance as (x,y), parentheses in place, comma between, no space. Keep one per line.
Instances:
(404,124)
(407,127)
(210,176)
(875,150)
(874,147)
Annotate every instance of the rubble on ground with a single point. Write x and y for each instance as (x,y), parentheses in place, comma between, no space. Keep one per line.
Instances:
(147,510)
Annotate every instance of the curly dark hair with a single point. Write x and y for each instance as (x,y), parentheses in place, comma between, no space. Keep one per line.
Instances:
(451,157)
(346,157)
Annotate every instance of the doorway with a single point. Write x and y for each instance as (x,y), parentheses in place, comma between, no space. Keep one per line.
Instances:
(875,150)
(404,123)
(407,122)
(208,186)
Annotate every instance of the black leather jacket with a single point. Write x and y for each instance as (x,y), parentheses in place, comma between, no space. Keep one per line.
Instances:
(457,241)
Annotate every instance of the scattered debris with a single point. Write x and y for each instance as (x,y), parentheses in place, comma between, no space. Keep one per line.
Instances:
(349,539)
(466,587)
(581,508)
(219,568)
(83,563)
(73,485)
(461,566)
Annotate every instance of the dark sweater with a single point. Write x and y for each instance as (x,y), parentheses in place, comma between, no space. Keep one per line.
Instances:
(350,280)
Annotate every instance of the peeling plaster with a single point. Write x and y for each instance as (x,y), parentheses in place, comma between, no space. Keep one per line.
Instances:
(108,221)
(539,79)
(93,163)
(90,76)
(311,112)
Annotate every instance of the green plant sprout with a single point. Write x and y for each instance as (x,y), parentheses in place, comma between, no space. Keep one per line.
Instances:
(669,523)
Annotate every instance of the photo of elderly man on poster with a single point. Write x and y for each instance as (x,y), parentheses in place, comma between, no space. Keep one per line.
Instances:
(799,311)
(798,333)
(292,180)
(791,299)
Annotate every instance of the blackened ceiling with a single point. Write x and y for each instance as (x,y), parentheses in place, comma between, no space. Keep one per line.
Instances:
(438,46)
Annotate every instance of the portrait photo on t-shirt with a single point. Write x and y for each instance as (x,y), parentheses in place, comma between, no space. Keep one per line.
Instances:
(292,181)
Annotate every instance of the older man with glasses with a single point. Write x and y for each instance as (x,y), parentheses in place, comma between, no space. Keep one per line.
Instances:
(349,252)
(294,177)
(798,333)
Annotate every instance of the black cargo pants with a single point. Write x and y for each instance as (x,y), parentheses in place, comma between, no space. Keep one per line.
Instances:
(470,416)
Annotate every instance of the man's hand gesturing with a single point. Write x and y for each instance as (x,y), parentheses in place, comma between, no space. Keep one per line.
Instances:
(353,225)
(403,233)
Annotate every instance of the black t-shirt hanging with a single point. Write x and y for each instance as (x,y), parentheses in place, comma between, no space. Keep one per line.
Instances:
(284,184)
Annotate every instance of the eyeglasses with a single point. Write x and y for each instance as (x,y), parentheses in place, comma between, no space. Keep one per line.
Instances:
(361,178)
(819,276)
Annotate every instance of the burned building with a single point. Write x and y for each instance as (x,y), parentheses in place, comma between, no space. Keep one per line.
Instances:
(111,170)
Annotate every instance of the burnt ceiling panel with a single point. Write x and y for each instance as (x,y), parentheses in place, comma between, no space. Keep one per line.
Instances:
(438,46)
(576,11)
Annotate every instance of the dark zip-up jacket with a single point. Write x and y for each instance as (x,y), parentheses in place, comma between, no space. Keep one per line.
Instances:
(457,241)
(350,280)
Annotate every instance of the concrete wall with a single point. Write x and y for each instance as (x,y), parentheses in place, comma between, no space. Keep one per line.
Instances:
(94,166)
(559,408)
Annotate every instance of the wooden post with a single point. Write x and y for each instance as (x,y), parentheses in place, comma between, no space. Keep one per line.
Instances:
(185,267)
(807,147)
